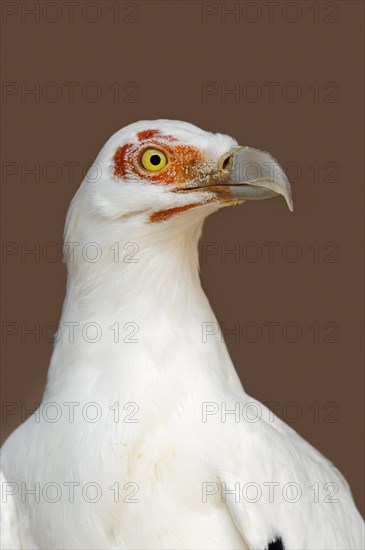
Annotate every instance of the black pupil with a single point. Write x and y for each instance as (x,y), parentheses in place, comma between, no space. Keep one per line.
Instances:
(155,160)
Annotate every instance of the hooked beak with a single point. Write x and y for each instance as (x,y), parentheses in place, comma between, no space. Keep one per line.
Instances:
(252,174)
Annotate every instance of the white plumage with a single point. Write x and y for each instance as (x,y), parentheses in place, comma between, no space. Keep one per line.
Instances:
(121,455)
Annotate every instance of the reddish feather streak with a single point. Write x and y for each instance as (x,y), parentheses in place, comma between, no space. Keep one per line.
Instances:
(163,215)
(147,134)
(121,160)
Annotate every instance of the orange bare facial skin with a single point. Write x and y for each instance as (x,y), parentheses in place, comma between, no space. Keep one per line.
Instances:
(184,164)
(183,160)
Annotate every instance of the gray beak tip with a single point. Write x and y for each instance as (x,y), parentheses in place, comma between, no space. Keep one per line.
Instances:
(258,176)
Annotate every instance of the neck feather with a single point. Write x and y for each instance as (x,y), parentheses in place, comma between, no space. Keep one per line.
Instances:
(146,280)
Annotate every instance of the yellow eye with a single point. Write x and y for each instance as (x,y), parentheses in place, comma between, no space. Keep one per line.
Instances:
(153,160)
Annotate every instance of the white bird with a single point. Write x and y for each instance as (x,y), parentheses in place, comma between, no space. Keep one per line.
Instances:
(145,438)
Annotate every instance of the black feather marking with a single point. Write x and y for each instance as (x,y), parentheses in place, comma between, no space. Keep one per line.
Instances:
(277,544)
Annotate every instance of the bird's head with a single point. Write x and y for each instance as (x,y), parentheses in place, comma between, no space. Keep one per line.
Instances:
(156,171)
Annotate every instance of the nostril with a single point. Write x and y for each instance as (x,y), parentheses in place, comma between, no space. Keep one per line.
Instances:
(226,163)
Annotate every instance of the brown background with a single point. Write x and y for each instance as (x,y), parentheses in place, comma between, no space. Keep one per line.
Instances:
(169,51)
